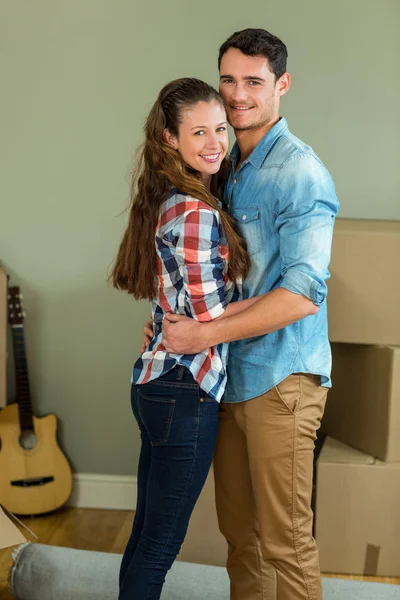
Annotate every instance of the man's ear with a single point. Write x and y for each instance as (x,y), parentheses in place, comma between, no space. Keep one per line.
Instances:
(283,84)
(170,139)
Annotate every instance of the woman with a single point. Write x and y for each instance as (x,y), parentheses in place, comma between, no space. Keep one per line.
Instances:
(175,252)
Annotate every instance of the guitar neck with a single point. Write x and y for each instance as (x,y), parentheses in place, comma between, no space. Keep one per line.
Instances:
(22,379)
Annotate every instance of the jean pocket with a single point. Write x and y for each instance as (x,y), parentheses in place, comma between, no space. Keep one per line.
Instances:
(156,414)
(249,223)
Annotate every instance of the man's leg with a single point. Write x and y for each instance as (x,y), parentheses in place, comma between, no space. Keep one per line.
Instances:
(281,429)
(251,578)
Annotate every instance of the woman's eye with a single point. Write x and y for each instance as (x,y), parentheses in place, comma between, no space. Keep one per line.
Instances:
(222,128)
(200,132)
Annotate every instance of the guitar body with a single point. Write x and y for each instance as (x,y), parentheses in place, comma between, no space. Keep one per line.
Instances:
(37,479)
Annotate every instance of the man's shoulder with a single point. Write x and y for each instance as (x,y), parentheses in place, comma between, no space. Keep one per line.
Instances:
(293,158)
(288,147)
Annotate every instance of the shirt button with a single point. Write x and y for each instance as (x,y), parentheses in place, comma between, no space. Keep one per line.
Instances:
(234,181)
(244,217)
(202,399)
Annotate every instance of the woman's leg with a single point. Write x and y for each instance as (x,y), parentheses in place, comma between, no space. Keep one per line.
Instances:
(143,472)
(182,425)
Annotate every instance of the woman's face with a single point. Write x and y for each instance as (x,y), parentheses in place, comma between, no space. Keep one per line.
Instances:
(203,137)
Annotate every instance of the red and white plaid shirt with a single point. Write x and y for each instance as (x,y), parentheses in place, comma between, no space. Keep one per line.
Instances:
(192,259)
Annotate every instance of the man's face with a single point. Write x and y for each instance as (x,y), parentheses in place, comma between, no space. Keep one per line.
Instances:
(249,90)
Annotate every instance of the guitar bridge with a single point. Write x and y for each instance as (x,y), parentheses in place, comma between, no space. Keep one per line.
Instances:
(32,481)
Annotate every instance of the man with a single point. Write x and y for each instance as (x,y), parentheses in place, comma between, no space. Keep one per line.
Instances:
(284,202)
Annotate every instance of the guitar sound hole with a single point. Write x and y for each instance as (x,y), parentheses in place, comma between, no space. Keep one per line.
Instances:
(28,440)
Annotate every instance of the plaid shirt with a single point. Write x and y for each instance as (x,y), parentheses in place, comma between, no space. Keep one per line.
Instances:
(192,255)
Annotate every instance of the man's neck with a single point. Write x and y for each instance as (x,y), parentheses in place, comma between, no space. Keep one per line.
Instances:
(248,139)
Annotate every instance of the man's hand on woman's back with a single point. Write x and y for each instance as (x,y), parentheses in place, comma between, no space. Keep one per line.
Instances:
(148,333)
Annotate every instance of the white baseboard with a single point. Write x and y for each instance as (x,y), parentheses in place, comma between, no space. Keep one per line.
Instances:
(91,490)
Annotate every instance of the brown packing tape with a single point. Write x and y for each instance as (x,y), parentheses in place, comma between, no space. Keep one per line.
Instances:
(371,560)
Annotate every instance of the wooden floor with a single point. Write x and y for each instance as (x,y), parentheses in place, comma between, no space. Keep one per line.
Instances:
(92,529)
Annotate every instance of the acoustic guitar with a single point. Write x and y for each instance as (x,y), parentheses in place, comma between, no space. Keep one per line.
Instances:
(35,476)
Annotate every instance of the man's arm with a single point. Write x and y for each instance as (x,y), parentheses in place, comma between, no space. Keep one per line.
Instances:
(269,312)
(233,308)
(305,213)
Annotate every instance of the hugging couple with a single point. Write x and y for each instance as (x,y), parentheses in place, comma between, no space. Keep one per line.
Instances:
(234,255)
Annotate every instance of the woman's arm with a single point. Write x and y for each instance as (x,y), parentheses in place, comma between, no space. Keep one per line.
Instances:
(196,239)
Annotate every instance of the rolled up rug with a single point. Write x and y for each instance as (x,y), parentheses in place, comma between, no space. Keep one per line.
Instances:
(43,572)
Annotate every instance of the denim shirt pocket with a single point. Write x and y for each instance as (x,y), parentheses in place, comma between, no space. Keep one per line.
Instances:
(249,223)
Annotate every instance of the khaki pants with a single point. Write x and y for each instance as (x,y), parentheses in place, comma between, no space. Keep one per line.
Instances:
(263,478)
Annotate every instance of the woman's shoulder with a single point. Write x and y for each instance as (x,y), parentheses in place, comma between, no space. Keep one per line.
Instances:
(178,205)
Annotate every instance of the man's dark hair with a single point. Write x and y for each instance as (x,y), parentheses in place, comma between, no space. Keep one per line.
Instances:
(258,42)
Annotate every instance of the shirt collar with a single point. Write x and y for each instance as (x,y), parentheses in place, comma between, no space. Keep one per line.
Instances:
(260,152)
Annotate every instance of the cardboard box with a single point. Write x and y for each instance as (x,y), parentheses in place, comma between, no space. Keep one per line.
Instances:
(204,543)
(3,337)
(357,512)
(10,535)
(363,407)
(364,289)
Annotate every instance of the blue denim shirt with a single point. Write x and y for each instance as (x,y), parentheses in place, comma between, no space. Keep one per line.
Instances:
(284,202)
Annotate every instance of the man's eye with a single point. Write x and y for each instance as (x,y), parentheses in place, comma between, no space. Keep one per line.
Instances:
(254,82)
(227,81)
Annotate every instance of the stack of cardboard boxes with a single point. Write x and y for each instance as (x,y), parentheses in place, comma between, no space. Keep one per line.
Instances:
(3,337)
(358,469)
(10,534)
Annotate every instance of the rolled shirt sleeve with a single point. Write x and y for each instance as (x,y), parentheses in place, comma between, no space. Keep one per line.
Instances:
(305,214)
(197,254)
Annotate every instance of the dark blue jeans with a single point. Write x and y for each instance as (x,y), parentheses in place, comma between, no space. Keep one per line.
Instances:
(178,425)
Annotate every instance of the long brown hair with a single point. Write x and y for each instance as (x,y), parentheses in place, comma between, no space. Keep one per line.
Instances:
(160,168)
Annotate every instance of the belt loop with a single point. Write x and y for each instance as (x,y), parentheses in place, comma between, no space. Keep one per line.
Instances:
(181,372)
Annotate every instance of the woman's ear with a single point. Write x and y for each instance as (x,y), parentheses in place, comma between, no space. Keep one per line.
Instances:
(170,139)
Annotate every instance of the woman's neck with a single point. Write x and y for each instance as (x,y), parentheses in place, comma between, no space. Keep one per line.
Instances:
(206,179)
